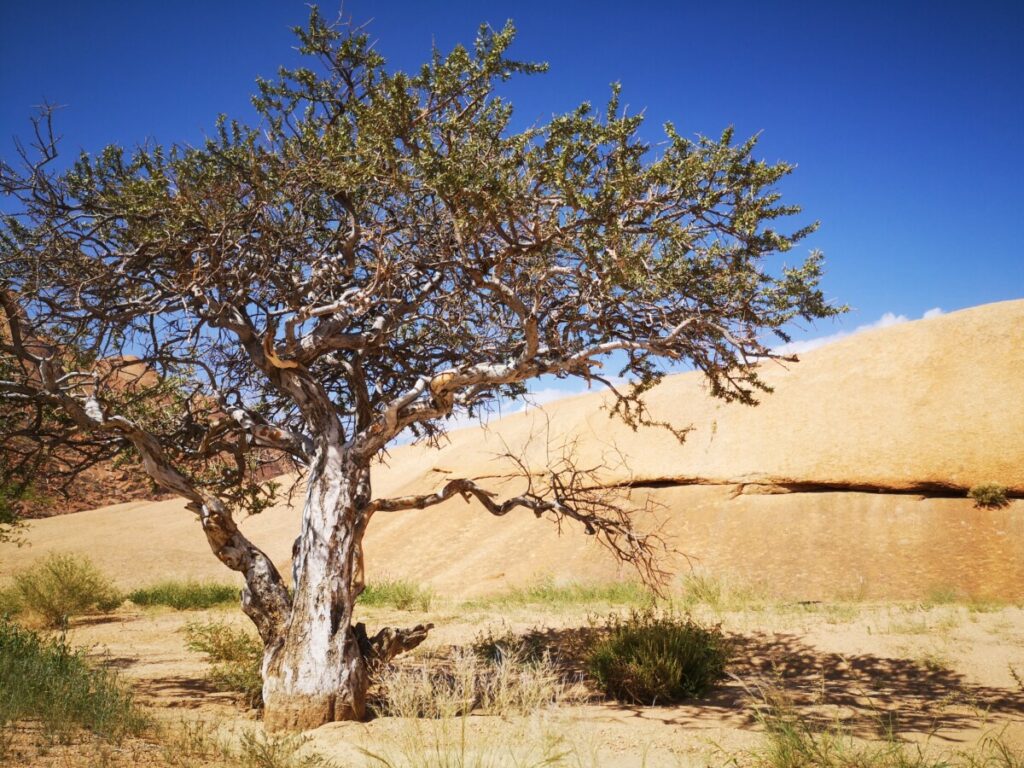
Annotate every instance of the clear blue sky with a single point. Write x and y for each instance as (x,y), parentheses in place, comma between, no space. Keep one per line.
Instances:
(906,119)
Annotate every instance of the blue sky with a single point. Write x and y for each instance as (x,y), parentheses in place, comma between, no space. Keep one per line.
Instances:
(906,119)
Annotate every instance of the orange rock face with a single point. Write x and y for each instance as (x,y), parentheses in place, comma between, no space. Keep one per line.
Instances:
(849,479)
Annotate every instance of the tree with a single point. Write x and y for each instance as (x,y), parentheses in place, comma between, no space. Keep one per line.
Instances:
(380,252)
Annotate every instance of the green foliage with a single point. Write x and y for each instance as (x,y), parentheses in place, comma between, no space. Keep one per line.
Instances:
(10,605)
(235,656)
(397,593)
(62,586)
(657,658)
(551,594)
(989,496)
(186,595)
(49,682)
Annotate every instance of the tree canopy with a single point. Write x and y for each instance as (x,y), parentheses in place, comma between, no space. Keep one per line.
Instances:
(378,252)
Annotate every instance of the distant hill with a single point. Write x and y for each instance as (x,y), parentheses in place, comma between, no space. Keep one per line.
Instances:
(849,478)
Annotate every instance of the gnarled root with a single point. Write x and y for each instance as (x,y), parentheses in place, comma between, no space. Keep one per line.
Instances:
(389,642)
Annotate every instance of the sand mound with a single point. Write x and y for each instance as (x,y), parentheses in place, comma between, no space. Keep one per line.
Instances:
(850,477)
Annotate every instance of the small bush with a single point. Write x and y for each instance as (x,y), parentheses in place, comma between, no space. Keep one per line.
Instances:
(49,682)
(62,586)
(403,595)
(657,658)
(186,595)
(989,496)
(235,657)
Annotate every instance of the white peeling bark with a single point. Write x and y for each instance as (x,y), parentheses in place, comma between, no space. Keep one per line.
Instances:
(316,672)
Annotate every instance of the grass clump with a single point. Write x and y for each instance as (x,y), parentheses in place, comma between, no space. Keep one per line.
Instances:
(10,605)
(655,658)
(235,657)
(198,744)
(792,742)
(989,496)
(186,595)
(559,595)
(396,593)
(257,750)
(62,586)
(48,682)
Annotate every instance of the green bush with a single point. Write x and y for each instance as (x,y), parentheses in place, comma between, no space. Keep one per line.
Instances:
(657,658)
(62,586)
(403,595)
(989,496)
(186,595)
(235,656)
(46,681)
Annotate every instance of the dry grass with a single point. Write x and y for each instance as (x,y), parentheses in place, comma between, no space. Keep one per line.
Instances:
(465,682)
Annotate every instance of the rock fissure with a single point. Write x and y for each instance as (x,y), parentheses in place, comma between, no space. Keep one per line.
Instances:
(926,489)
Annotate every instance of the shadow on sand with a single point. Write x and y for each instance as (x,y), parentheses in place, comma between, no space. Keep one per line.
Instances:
(871,695)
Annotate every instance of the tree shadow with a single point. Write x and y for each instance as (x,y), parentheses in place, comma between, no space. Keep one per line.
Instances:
(181,691)
(869,694)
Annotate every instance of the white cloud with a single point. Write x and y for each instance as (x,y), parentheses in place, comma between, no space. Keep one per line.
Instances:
(885,321)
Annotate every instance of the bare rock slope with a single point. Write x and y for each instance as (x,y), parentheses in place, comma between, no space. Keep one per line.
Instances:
(849,478)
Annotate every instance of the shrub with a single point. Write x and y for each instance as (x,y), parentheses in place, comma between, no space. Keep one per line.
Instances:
(989,496)
(186,595)
(10,605)
(657,658)
(49,682)
(235,657)
(65,585)
(395,593)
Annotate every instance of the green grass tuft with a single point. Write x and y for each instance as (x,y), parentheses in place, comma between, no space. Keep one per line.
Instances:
(656,658)
(793,741)
(48,682)
(186,595)
(989,496)
(395,593)
(235,656)
(554,595)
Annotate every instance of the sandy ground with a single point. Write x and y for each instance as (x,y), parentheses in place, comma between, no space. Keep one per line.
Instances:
(943,676)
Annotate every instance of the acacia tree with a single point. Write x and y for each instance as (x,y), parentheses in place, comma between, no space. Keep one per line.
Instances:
(379,252)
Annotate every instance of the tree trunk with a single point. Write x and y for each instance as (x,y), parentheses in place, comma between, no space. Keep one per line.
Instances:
(315,673)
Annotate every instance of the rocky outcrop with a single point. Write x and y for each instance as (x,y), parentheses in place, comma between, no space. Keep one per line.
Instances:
(849,479)
(935,405)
